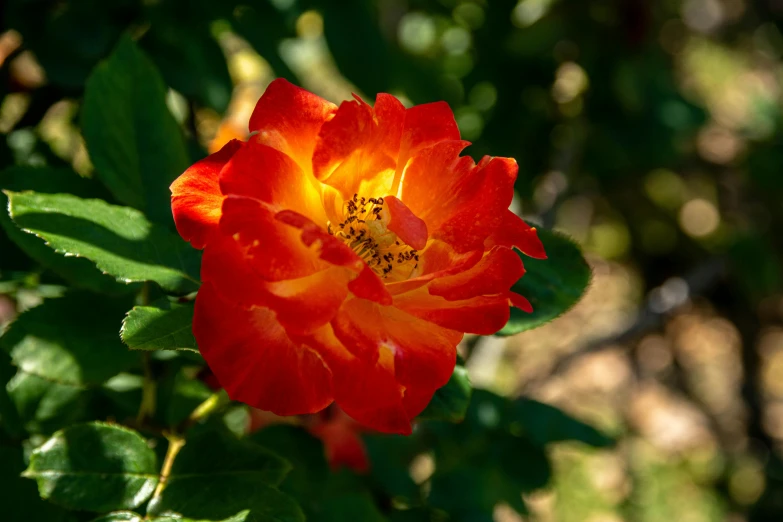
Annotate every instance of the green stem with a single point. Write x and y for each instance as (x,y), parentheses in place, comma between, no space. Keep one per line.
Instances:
(148,392)
(175,444)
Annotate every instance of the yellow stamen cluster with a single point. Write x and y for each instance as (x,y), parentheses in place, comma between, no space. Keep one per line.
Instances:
(364,229)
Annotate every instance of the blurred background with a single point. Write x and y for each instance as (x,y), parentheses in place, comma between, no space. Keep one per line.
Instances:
(650,132)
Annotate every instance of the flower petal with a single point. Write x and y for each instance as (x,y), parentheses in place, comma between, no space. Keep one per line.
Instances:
(514,232)
(424,126)
(350,153)
(301,305)
(257,363)
(274,250)
(494,274)
(478,315)
(406,224)
(196,199)
(365,389)
(264,173)
(367,285)
(479,206)
(437,260)
(519,301)
(430,178)
(288,118)
(423,354)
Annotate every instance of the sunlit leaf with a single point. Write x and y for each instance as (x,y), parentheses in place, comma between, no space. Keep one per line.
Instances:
(95,467)
(119,240)
(58,342)
(161,326)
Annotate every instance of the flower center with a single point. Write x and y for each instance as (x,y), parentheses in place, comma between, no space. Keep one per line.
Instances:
(364,229)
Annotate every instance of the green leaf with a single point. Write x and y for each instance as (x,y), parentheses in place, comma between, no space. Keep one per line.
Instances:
(161,326)
(76,271)
(450,402)
(95,467)
(119,240)
(61,342)
(133,140)
(543,424)
(551,285)
(45,406)
(18,495)
(216,476)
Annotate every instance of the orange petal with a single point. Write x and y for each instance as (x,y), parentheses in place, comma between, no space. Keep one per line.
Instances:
(479,206)
(405,224)
(478,315)
(274,250)
(350,154)
(300,305)
(494,274)
(422,354)
(430,179)
(367,285)
(514,232)
(288,118)
(365,389)
(196,199)
(437,260)
(264,173)
(426,125)
(254,359)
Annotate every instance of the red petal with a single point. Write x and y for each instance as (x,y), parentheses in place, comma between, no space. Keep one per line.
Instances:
(478,315)
(365,389)
(405,224)
(257,363)
(367,285)
(514,232)
(350,154)
(437,260)
(196,199)
(264,173)
(494,274)
(423,354)
(520,302)
(430,179)
(300,305)
(426,125)
(288,118)
(350,129)
(481,201)
(274,250)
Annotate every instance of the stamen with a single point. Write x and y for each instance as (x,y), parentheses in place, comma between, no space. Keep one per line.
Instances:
(372,241)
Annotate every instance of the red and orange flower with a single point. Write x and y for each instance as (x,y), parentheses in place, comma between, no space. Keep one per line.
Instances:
(346,251)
